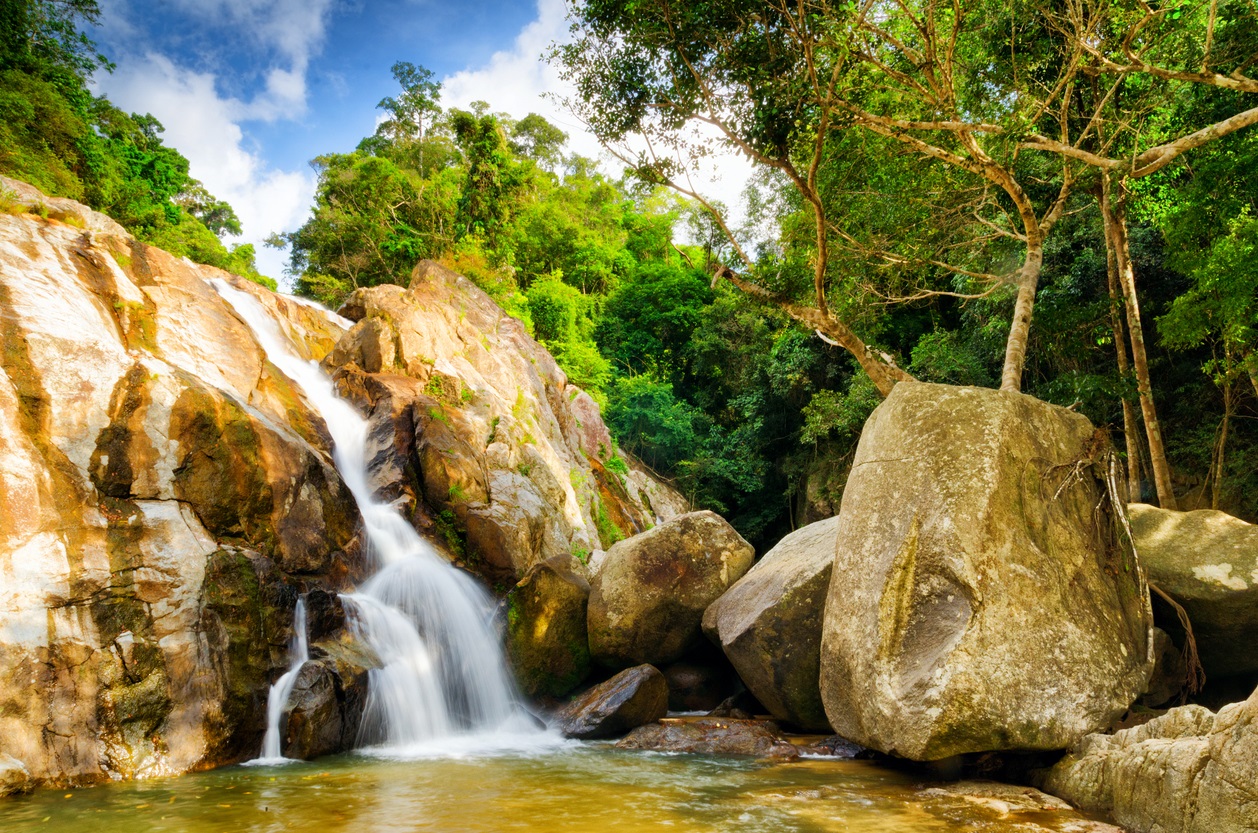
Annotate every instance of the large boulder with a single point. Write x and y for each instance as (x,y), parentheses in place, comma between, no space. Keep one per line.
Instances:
(546,631)
(980,599)
(649,594)
(166,496)
(1208,562)
(769,624)
(628,700)
(482,435)
(1188,771)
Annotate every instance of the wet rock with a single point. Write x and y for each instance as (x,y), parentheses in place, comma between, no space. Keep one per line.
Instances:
(631,698)
(712,736)
(989,805)
(14,777)
(546,638)
(166,494)
(836,747)
(1208,561)
(979,599)
(504,450)
(1188,771)
(741,706)
(313,721)
(769,624)
(648,597)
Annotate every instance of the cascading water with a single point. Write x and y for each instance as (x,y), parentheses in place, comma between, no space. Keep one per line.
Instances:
(442,673)
(298,654)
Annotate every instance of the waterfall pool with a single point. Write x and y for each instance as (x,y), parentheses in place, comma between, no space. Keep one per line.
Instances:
(571,788)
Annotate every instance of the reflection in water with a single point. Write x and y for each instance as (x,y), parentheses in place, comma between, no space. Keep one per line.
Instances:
(574,789)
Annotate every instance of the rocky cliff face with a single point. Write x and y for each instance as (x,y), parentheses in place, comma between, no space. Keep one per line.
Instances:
(477,430)
(167,494)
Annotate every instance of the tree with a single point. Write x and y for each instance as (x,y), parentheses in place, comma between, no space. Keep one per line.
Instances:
(1148,55)
(782,82)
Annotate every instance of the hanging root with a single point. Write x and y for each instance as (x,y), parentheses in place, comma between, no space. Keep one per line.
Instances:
(1196,674)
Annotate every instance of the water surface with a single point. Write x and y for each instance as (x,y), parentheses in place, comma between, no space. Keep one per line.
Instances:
(575,788)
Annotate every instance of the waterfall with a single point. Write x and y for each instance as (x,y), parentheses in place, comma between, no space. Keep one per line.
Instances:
(442,673)
(298,653)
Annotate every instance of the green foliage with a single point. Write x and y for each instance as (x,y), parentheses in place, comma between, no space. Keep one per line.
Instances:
(63,140)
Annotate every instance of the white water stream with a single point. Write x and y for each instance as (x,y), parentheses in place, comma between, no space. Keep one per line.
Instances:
(298,654)
(443,684)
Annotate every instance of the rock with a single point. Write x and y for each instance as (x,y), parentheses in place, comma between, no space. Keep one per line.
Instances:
(712,736)
(546,637)
(979,600)
(1170,673)
(699,686)
(769,624)
(1188,771)
(166,495)
(989,805)
(741,706)
(648,597)
(509,456)
(312,726)
(14,777)
(631,698)
(326,705)
(1207,561)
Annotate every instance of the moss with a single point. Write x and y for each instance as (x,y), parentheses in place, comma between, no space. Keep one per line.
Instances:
(233,596)
(608,532)
(220,470)
(10,203)
(451,532)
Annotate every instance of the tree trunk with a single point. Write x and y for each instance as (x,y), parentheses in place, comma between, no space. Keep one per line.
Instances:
(1115,219)
(1130,439)
(1020,328)
(880,368)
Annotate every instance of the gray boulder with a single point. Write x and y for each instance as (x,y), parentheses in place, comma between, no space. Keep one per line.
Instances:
(648,597)
(1188,771)
(1207,561)
(769,624)
(628,700)
(979,599)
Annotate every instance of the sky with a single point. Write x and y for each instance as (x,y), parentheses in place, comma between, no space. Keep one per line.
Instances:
(251,90)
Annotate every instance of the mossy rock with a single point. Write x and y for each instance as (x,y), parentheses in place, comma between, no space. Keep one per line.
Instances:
(546,630)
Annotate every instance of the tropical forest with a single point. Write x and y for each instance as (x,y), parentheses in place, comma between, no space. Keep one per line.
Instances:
(857,400)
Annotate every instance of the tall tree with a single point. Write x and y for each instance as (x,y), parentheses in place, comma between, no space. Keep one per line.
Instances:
(782,81)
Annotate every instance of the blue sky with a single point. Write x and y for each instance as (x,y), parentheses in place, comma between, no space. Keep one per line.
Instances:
(251,90)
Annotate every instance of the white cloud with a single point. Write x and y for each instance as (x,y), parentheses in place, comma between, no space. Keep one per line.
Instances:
(205,125)
(519,81)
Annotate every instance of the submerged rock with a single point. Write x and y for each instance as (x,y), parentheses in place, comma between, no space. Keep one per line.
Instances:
(1207,561)
(712,736)
(648,597)
(769,624)
(1188,771)
(631,698)
(979,600)
(546,637)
